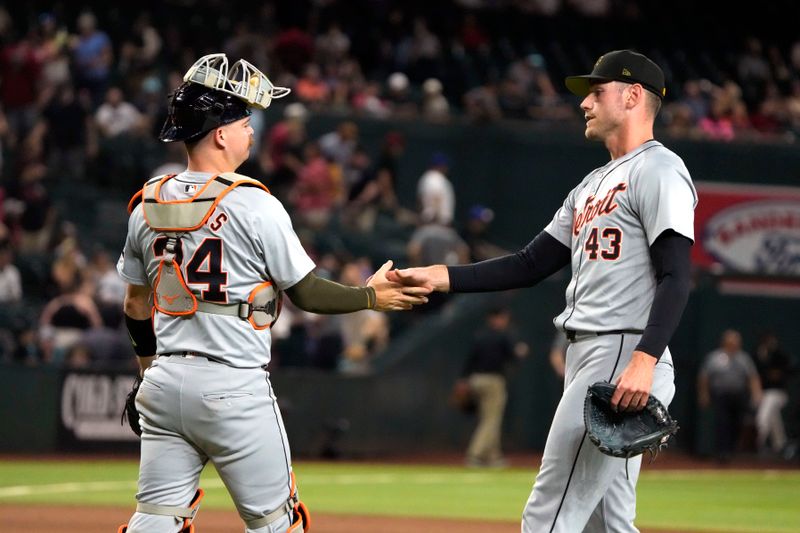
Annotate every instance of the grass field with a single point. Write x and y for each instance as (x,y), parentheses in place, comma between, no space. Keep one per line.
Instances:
(690,500)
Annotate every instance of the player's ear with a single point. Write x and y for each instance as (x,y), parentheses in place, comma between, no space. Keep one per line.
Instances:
(219,137)
(635,94)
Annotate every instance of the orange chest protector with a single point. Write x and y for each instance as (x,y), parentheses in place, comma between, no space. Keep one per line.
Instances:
(171,219)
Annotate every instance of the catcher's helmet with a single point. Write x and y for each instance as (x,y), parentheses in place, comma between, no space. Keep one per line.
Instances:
(195,109)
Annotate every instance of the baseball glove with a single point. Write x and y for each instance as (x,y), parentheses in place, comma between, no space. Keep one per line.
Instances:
(626,434)
(130,412)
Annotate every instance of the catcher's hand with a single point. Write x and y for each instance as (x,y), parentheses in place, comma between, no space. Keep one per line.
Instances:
(626,434)
(130,412)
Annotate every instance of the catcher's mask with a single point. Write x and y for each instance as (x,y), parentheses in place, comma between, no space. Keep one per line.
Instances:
(213,95)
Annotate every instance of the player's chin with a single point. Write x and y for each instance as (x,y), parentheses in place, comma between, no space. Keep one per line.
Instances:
(592,134)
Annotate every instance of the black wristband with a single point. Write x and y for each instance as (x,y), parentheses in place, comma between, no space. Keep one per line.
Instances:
(142,335)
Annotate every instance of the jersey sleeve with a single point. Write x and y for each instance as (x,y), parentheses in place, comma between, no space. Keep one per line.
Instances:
(665,198)
(287,261)
(130,265)
(560,227)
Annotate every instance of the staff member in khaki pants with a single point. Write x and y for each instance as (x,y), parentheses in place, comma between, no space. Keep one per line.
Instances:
(484,370)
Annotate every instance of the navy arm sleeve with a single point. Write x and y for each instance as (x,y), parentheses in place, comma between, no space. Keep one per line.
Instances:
(670,256)
(543,256)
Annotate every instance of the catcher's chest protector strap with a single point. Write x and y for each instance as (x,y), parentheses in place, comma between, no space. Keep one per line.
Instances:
(172,218)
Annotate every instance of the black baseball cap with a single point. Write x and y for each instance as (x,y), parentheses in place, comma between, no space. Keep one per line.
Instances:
(621,65)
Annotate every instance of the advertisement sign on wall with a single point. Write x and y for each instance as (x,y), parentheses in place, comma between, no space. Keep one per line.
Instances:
(91,408)
(748,229)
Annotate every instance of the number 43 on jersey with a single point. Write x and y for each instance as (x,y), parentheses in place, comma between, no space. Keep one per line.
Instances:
(603,243)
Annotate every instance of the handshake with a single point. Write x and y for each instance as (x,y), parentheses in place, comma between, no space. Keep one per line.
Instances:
(397,290)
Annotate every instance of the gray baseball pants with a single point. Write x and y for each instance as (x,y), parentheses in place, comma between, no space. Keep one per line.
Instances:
(578,488)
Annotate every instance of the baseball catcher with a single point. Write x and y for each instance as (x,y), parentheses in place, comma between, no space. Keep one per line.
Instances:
(626,434)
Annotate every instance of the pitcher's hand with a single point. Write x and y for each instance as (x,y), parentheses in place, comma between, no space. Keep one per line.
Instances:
(434,277)
(634,384)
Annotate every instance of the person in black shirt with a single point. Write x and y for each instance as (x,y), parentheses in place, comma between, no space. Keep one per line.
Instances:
(773,366)
(484,371)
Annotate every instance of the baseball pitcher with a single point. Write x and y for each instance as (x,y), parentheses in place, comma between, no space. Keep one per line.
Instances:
(626,232)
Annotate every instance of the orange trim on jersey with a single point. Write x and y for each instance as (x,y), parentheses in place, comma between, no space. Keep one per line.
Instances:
(183,284)
(250,298)
(123,528)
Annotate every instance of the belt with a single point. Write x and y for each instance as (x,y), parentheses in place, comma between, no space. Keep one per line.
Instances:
(187,355)
(575,336)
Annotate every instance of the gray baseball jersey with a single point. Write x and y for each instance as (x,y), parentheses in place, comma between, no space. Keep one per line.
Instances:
(247,240)
(609,222)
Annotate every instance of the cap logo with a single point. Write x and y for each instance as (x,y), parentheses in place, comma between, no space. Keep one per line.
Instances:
(626,72)
(598,61)
(664,91)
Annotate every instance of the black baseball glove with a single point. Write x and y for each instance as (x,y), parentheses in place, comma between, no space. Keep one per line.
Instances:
(626,434)
(130,412)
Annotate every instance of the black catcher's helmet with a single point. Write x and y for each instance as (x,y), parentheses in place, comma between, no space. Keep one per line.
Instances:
(195,109)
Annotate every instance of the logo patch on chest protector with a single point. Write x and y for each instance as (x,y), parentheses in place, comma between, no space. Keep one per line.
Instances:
(596,207)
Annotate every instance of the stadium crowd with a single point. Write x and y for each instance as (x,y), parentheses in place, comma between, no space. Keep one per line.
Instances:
(82,98)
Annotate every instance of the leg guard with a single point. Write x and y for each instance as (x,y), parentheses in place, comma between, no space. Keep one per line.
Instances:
(297,511)
(187,513)
(301,520)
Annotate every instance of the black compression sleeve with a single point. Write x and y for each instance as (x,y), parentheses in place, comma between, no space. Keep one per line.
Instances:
(319,295)
(543,256)
(670,256)
(142,336)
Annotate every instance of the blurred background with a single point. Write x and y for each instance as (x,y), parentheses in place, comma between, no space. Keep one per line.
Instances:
(420,132)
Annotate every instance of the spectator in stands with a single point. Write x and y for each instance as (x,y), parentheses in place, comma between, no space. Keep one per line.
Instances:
(697,96)
(68,267)
(368,101)
(65,134)
(282,151)
(435,106)
(338,146)
(493,350)
(10,279)
(140,50)
(311,89)
(476,235)
(316,192)
(364,333)
(399,98)
(435,194)
(110,288)
(774,367)
(729,385)
(20,69)
(425,51)
(481,103)
(92,57)
(332,46)
(116,117)
(28,350)
(38,215)
(65,319)
(753,72)
(52,51)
